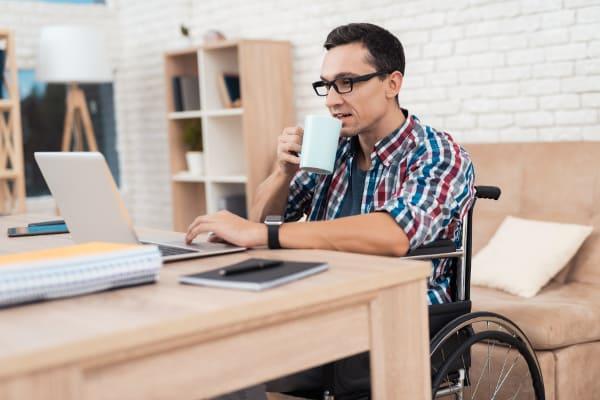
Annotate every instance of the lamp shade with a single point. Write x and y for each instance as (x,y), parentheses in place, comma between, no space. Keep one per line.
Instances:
(72,54)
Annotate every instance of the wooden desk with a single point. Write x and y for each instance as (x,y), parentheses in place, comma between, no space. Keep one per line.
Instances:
(170,341)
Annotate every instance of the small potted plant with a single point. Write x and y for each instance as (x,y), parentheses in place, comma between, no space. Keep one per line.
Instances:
(192,138)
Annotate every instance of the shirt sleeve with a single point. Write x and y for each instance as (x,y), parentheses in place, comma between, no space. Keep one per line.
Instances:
(300,197)
(437,191)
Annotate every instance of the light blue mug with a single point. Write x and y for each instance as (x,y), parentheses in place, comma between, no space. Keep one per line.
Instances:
(319,143)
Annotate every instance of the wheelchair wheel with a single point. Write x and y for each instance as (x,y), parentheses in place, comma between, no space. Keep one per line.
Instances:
(484,356)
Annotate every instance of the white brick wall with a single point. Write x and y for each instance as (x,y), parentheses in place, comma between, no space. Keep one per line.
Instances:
(500,69)
(484,70)
(146,29)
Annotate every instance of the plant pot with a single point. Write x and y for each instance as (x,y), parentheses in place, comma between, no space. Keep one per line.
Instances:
(195,162)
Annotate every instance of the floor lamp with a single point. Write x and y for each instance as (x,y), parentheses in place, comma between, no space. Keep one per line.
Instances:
(73,55)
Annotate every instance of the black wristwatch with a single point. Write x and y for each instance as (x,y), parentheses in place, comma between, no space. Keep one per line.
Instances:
(273,223)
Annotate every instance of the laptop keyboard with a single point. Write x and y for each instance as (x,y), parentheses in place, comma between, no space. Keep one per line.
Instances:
(171,251)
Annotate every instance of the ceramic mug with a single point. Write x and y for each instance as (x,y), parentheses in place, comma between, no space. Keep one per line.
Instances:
(319,143)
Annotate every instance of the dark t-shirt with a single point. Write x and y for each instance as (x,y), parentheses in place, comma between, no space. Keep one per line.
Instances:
(351,204)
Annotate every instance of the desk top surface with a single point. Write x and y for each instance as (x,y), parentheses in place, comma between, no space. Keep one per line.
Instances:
(48,333)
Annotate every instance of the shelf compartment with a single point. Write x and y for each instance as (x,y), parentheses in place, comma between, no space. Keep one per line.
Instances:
(224,147)
(222,196)
(213,64)
(182,65)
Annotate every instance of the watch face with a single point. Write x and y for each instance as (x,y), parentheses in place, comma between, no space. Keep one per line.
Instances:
(273,220)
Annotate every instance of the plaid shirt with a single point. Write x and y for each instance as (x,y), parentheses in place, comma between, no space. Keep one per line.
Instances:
(418,175)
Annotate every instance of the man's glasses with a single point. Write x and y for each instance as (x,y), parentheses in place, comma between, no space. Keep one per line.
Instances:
(342,85)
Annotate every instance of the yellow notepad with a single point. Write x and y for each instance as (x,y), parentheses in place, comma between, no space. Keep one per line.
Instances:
(73,270)
(86,249)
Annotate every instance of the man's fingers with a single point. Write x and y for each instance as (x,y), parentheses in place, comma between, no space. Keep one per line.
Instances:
(290,158)
(290,139)
(198,220)
(293,147)
(293,130)
(216,239)
(197,227)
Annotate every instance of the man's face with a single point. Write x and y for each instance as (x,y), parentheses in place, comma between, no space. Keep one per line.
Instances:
(361,108)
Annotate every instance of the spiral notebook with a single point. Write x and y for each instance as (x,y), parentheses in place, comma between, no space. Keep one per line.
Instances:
(256,280)
(74,270)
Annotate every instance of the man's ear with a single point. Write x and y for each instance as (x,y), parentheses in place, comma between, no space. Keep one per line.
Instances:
(394,84)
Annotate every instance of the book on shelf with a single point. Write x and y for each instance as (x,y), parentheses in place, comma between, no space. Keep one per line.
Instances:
(75,270)
(190,93)
(229,90)
(186,93)
(177,94)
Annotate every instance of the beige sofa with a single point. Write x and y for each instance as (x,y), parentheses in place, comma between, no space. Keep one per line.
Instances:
(554,182)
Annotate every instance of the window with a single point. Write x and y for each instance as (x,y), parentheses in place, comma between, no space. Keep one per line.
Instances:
(43,113)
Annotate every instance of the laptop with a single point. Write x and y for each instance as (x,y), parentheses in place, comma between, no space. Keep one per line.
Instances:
(90,203)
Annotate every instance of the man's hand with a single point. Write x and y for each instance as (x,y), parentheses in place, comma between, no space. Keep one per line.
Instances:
(288,149)
(230,228)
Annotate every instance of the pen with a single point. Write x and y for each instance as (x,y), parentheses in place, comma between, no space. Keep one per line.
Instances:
(55,222)
(256,266)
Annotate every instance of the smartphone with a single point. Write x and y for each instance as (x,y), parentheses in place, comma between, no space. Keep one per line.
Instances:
(37,230)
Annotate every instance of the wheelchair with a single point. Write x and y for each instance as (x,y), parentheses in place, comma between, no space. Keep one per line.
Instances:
(474,355)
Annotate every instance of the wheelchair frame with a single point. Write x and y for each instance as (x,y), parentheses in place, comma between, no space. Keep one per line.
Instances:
(449,318)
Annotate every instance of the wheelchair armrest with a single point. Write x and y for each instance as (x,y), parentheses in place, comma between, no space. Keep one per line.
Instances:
(438,249)
(487,192)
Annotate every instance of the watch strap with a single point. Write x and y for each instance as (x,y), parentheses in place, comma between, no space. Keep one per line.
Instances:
(273,236)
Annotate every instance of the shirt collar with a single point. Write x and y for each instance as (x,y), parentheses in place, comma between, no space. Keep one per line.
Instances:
(387,147)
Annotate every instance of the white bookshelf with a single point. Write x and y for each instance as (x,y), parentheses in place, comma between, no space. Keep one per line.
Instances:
(239,144)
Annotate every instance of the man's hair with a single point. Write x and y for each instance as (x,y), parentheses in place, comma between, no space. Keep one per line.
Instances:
(386,52)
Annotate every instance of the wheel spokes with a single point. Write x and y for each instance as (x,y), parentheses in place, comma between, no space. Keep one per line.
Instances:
(505,377)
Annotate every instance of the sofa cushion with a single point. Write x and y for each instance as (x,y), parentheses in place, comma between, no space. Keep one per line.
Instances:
(560,315)
(523,255)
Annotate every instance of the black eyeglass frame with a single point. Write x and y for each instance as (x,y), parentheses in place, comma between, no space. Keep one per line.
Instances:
(352,80)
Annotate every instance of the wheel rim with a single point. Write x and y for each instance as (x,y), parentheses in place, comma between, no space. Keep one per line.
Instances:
(497,361)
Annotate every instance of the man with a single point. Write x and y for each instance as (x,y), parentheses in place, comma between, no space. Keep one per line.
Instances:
(397,183)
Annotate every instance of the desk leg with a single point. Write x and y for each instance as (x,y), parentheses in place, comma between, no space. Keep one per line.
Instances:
(61,384)
(400,367)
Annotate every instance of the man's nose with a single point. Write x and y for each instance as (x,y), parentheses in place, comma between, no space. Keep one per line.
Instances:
(333,98)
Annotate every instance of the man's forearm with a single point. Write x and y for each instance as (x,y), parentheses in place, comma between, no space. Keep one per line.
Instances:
(271,196)
(374,233)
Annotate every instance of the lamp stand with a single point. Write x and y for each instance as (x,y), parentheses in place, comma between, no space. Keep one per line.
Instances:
(77,122)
